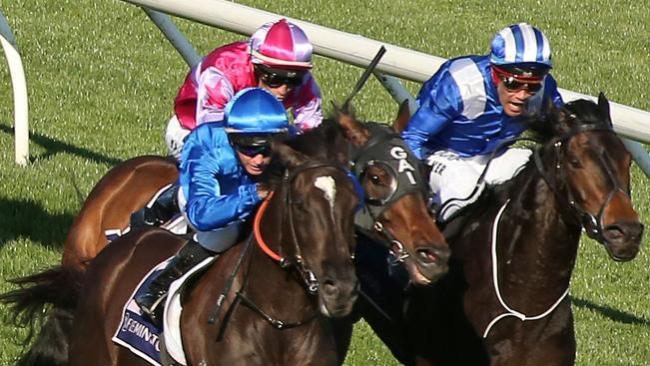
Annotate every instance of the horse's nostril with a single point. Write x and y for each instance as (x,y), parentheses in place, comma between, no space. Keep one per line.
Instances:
(624,231)
(330,288)
(432,255)
(614,232)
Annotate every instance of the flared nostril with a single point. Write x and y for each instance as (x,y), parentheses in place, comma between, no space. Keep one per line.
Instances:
(631,231)
(329,288)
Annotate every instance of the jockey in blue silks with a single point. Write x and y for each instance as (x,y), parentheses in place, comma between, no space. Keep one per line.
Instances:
(472,105)
(221,164)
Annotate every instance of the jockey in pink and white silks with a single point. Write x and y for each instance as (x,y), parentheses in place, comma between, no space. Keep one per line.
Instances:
(277,57)
(472,105)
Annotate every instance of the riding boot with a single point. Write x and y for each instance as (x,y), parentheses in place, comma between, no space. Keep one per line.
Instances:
(189,256)
(160,211)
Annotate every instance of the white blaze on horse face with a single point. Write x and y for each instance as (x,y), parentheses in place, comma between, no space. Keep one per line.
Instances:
(400,154)
(328,186)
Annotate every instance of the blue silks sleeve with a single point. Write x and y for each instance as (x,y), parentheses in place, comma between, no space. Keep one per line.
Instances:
(440,103)
(217,189)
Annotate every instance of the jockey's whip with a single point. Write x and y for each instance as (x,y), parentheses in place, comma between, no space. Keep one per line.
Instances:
(365,75)
(224,293)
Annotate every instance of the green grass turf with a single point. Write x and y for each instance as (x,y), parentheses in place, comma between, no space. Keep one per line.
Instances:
(101,80)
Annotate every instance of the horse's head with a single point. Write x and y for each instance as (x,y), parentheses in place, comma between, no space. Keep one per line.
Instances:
(395,196)
(590,167)
(318,200)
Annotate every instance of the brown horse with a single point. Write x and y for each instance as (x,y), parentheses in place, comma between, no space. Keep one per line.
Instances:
(505,300)
(397,209)
(277,312)
(123,190)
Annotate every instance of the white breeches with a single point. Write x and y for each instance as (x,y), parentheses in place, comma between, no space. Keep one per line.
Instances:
(175,137)
(218,240)
(455,177)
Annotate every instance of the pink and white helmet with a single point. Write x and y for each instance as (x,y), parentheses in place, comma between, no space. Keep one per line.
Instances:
(281,45)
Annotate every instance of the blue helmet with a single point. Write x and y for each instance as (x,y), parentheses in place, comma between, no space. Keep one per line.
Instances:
(521,45)
(255,111)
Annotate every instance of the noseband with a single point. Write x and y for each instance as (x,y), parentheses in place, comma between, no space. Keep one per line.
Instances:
(296,261)
(308,277)
(388,150)
(593,225)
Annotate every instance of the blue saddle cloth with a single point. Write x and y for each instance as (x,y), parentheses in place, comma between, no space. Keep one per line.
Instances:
(136,332)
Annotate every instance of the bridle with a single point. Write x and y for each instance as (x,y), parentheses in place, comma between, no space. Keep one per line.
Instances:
(388,150)
(295,261)
(593,224)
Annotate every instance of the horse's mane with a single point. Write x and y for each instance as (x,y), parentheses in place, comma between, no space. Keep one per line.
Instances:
(325,142)
(550,123)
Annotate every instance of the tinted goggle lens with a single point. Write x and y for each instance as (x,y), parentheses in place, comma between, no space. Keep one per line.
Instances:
(274,80)
(513,84)
(253,151)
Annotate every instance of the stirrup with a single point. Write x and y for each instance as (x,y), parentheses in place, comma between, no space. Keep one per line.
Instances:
(155,311)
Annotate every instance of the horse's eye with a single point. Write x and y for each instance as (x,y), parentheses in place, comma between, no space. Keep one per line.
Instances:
(375,179)
(575,163)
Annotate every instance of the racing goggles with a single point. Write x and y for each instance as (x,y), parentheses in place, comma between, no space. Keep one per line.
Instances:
(275,78)
(252,146)
(253,151)
(515,82)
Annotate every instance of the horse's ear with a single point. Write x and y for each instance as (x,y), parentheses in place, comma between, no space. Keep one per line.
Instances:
(557,115)
(603,105)
(353,130)
(403,116)
(288,157)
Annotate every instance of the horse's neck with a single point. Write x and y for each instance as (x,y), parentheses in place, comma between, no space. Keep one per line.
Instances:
(280,288)
(537,239)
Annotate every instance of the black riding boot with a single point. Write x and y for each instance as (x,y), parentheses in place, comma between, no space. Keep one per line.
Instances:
(161,211)
(189,256)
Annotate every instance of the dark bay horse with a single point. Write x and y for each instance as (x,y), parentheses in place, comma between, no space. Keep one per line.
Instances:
(505,300)
(396,206)
(297,272)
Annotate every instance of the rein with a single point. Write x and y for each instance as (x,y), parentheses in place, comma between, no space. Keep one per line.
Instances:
(495,281)
(308,277)
(595,231)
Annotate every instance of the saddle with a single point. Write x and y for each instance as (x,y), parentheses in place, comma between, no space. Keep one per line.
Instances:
(141,336)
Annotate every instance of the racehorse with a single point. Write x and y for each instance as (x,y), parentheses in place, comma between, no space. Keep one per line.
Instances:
(395,213)
(288,279)
(123,190)
(504,301)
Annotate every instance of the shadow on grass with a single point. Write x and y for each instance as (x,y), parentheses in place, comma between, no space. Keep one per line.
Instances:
(613,314)
(53,147)
(28,219)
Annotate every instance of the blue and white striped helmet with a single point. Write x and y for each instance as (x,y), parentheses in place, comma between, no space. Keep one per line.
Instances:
(521,44)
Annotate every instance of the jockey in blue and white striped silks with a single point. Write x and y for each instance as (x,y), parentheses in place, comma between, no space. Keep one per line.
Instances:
(472,104)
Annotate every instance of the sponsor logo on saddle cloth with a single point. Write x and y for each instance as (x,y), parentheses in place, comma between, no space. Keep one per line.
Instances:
(142,337)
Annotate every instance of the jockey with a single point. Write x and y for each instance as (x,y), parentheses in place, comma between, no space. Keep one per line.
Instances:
(219,182)
(471,106)
(277,57)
